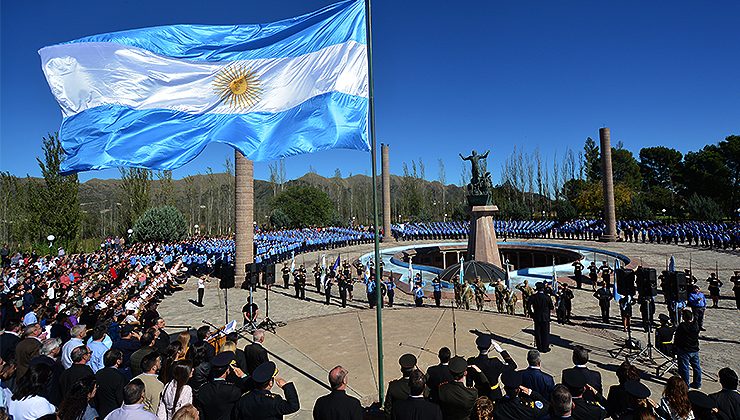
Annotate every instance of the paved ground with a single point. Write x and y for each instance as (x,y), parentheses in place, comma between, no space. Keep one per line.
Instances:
(317,337)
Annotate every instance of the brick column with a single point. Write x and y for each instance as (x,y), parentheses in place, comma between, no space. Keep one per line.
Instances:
(610,235)
(386,177)
(244,214)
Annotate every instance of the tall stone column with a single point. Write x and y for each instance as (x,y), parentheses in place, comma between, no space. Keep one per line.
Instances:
(244,214)
(386,176)
(610,234)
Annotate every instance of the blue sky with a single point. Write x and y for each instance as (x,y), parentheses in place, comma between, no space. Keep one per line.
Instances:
(449,76)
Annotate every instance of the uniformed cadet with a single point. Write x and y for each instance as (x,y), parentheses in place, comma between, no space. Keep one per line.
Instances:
(302,282)
(398,389)
(437,291)
(370,286)
(714,289)
(499,290)
(328,283)
(638,394)
(419,294)
(317,277)
(593,272)
(216,398)
(519,403)
(480,293)
(491,367)
(390,289)
(664,336)
(584,408)
(606,274)
(527,292)
(735,280)
(467,295)
(511,303)
(455,399)
(578,272)
(263,404)
(286,275)
(604,296)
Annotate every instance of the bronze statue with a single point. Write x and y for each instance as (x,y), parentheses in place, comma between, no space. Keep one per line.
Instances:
(474,159)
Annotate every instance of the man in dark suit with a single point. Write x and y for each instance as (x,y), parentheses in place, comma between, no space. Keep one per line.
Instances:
(216,398)
(728,400)
(255,354)
(541,305)
(27,349)
(239,357)
(338,405)
(455,399)
(580,358)
(79,369)
(585,405)
(534,378)
(9,339)
(439,374)
(111,381)
(416,407)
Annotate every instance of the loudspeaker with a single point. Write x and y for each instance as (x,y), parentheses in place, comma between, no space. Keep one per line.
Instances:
(227,277)
(270,272)
(625,281)
(681,286)
(647,282)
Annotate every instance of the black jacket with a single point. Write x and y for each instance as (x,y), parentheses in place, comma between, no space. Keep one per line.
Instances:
(72,375)
(686,338)
(337,406)
(436,376)
(7,346)
(728,402)
(593,377)
(492,368)
(264,405)
(254,355)
(538,381)
(216,399)
(109,394)
(456,401)
(540,305)
(520,407)
(416,409)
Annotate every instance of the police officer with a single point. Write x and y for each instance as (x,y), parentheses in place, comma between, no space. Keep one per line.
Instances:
(593,274)
(302,282)
(216,398)
(604,296)
(519,403)
(578,272)
(370,286)
(664,335)
(591,408)
(261,402)
(714,287)
(317,277)
(437,291)
(455,399)
(735,280)
(390,289)
(398,389)
(419,294)
(606,274)
(491,367)
(286,275)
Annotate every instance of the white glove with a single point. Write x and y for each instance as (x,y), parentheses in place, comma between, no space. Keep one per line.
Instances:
(497,346)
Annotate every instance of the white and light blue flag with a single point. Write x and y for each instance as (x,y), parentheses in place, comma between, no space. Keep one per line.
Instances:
(156,97)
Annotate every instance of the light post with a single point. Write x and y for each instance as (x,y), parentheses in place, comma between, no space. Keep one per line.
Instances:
(202,207)
(543,214)
(445,218)
(197,229)
(130,232)
(50,238)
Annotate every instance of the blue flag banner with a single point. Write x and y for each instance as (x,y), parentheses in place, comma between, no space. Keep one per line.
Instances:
(156,97)
(336,263)
(617,296)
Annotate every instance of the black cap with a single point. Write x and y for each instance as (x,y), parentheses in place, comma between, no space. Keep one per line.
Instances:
(664,317)
(127,329)
(457,365)
(574,378)
(223,359)
(511,378)
(636,389)
(483,341)
(407,361)
(264,372)
(539,285)
(699,399)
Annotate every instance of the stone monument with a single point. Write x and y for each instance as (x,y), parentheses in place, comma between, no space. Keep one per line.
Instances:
(610,233)
(482,244)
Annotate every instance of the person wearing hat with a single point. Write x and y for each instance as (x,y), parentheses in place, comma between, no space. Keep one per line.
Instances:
(540,306)
(584,408)
(640,405)
(728,399)
(519,403)
(735,280)
(416,407)
(216,398)
(664,335)
(704,407)
(604,296)
(261,402)
(455,399)
(338,405)
(398,389)
(490,366)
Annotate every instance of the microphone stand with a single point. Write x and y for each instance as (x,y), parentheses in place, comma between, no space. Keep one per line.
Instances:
(454,330)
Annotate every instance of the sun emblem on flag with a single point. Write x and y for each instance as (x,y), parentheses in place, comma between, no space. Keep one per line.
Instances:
(238,86)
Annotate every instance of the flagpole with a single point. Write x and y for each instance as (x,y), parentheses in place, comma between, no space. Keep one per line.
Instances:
(371,132)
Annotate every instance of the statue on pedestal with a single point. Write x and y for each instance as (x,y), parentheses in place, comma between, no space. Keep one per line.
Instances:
(480,186)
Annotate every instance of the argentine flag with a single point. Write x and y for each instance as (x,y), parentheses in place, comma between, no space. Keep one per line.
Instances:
(155,97)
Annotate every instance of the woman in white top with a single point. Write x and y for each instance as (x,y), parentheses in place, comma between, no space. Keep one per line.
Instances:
(26,402)
(675,404)
(177,392)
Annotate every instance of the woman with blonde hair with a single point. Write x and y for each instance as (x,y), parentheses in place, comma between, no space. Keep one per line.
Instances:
(184,339)
(187,412)
(483,409)
(675,404)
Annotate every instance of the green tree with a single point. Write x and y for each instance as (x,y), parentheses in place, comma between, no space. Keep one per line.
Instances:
(660,167)
(56,206)
(305,206)
(136,185)
(703,208)
(730,149)
(278,219)
(625,168)
(705,173)
(592,159)
(160,224)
